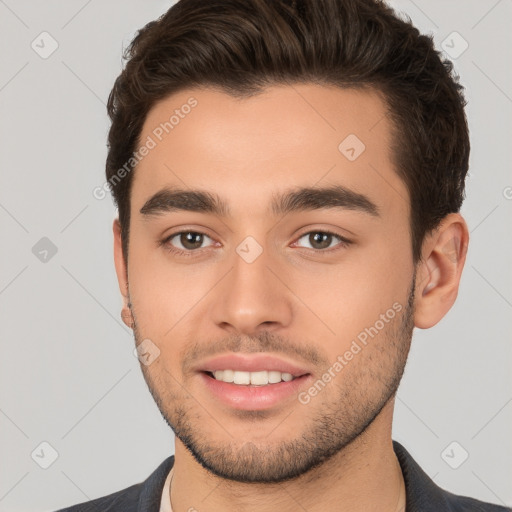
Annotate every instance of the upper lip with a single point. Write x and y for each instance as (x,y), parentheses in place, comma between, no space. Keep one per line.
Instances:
(251,363)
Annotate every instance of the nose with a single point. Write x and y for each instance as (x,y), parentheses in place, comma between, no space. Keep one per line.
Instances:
(253,296)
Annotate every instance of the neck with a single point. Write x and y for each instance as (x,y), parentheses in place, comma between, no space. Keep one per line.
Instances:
(364,476)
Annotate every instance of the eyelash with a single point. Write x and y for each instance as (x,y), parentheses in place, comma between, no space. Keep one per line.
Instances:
(344,242)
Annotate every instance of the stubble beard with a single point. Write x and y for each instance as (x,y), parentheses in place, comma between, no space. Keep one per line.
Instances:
(342,419)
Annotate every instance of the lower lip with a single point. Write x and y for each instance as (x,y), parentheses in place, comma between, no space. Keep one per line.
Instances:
(254,398)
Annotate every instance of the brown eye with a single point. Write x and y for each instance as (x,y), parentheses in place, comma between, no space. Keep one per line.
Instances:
(322,240)
(191,240)
(185,242)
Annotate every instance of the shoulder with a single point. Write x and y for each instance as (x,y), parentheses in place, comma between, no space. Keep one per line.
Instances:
(465,504)
(126,500)
(140,497)
(423,494)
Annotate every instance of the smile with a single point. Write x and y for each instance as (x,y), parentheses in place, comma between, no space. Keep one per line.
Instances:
(259,378)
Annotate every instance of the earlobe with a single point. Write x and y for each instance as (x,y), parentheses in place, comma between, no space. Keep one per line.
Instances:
(439,272)
(126,315)
(122,274)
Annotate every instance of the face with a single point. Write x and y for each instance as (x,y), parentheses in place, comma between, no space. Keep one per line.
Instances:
(295,264)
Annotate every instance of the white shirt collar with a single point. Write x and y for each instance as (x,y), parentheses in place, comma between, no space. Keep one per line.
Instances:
(165,502)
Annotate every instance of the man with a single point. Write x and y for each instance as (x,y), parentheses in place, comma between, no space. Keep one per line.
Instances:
(289,177)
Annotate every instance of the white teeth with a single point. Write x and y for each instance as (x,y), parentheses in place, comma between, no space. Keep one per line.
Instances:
(261,378)
(242,378)
(228,375)
(274,377)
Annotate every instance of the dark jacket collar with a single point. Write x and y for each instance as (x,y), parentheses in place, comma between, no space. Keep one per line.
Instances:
(151,493)
(422,494)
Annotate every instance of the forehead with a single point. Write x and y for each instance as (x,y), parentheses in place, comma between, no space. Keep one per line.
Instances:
(286,136)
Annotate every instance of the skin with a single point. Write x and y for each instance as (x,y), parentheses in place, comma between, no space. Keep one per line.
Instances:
(294,300)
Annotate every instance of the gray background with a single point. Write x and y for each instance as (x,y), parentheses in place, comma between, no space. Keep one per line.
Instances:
(68,376)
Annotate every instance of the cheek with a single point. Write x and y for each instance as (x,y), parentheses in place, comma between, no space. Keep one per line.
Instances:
(164,293)
(351,297)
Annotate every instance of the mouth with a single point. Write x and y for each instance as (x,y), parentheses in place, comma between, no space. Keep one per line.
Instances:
(257,378)
(252,381)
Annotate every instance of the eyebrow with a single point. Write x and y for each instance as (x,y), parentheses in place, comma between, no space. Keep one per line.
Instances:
(295,200)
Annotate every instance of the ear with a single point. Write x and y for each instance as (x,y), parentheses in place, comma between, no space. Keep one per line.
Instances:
(439,271)
(122,274)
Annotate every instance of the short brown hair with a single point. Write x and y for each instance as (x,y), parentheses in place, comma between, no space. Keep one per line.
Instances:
(242,46)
